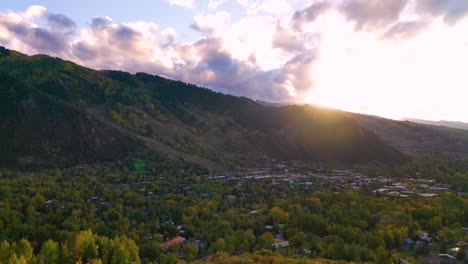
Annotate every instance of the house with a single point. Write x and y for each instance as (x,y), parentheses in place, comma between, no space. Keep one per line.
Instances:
(408,243)
(447,256)
(428,195)
(425,236)
(181,229)
(280,243)
(173,241)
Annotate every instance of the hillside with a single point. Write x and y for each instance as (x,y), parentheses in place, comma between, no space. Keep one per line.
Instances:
(75,107)
(452,124)
(36,127)
(412,137)
(63,112)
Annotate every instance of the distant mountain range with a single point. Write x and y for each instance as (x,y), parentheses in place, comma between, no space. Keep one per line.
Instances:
(267,103)
(54,111)
(454,124)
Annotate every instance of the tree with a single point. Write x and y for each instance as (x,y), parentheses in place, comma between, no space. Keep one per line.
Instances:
(335,251)
(374,242)
(169,258)
(90,250)
(268,236)
(278,215)
(125,251)
(381,255)
(312,223)
(435,223)
(461,255)
(4,251)
(38,200)
(94,261)
(219,245)
(15,260)
(24,249)
(190,252)
(298,240)
(352,253)
(50,252)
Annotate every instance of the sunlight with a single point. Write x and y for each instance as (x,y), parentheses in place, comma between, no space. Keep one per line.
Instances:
(362,72)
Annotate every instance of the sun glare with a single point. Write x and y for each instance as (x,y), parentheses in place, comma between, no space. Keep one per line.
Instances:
(366,73)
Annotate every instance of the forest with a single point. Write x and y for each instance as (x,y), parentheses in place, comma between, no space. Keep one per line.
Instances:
(122,212)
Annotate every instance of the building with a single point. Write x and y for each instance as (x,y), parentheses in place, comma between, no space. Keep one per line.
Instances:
(173,241)
(280,243)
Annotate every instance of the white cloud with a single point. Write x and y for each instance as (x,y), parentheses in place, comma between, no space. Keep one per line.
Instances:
(275,6)
(244,3)
(170,35)
(212,24)
(35,11)
(184,3)
(213,4)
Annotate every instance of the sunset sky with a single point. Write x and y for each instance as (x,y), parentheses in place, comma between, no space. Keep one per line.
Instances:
(393,58)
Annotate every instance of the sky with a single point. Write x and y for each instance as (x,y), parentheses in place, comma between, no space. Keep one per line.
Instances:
(392,58)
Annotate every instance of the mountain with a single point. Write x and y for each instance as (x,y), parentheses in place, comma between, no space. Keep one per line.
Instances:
(267,103)
(36,126)
(452,124)
(411,137)
(57,112)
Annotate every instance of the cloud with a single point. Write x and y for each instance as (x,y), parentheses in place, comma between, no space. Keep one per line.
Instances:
(184,3)
(275,6)
(210,24)
(218,69)
(287,40)
(243,3)
(213,4)
(309,14)
(109,45)
(372,14)
(19,32)
(450,10)
(292,41)
(35,11)
(170,35)
(60,22)
(405,30)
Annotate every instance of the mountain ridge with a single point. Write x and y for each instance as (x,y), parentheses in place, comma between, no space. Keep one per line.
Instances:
(452,124)
(125,112)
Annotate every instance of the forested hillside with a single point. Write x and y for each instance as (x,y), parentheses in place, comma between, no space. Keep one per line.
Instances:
(66,114)
(411,137)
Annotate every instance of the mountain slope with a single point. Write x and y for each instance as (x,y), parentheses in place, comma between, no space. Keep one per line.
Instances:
(417,138)
(84,115)
(452,124)
(37,127)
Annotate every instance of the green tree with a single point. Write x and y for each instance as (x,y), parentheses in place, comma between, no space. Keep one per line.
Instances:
(24,249)
(190,252)
(219,245)
(312,223)
(461,255)
(50,252)
(4,251)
